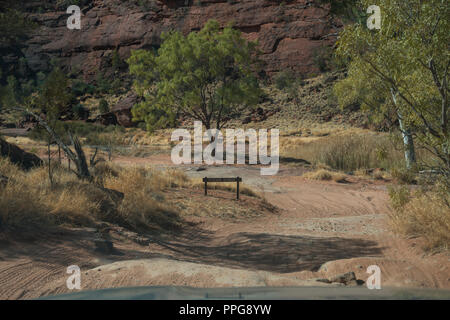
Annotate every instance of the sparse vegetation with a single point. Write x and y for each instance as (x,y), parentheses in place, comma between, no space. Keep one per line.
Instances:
(325,175)
(103,106)
(422,213)
(346,152)
(28,200)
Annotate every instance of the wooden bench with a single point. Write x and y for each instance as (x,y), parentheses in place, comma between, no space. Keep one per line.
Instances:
(237,180)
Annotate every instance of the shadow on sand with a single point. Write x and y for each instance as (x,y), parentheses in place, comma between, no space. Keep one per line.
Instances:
(275,253)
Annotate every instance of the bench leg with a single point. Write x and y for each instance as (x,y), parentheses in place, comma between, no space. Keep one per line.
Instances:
(206,188)
(237,189)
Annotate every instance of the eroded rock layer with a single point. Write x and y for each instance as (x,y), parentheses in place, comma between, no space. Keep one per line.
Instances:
(289,32)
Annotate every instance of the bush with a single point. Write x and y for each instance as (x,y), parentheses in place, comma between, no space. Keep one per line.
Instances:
(324,59)
(284,79)
(103,84)
(423,213)
(80,88)
(103,106)
(403,176)
(80,112)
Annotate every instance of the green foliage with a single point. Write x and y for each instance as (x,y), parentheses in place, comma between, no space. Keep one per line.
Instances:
(80,112)
(103,106)
(16,91)
(290,83)
(400,196)
(403,176)
(103,84)
(54,99)
(40,78)
(324,59)
(207,75)
(284,79)
(55,95)
(14,27)
(80,88)
(402,69)
(348,10)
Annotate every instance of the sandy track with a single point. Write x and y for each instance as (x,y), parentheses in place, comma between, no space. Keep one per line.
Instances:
(322,229)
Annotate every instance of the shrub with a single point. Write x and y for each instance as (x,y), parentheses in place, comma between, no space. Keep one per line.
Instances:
(423,214)
(80,112)
(403,176)
(103,84)
(80,88)
(324,59)
(284,79)
(103,106)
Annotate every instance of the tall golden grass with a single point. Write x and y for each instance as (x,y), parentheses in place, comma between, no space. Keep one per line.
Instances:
(29,200)
(346,152)
(422,213)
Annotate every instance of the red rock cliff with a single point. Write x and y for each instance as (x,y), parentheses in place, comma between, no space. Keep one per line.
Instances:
(288,32)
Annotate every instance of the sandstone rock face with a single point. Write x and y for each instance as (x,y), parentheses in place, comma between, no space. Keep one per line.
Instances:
(288,32)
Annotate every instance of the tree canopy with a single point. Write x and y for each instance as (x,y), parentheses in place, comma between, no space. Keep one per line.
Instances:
(401,70)
(207,75)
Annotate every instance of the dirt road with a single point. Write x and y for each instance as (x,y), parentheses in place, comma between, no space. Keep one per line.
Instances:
(321,229)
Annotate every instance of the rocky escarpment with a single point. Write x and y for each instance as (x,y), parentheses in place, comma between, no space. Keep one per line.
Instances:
(288,32)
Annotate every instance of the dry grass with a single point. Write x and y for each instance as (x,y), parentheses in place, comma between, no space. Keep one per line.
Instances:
(28,200)
(347,152)
(325,175)
(422,214)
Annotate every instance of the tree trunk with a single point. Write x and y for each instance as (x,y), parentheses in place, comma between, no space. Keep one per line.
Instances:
(49,164)
(408,142)
(78,157)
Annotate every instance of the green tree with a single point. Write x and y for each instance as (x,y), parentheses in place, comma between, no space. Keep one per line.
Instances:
(14,26)
(54,99)
(208,76)
(401,72)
